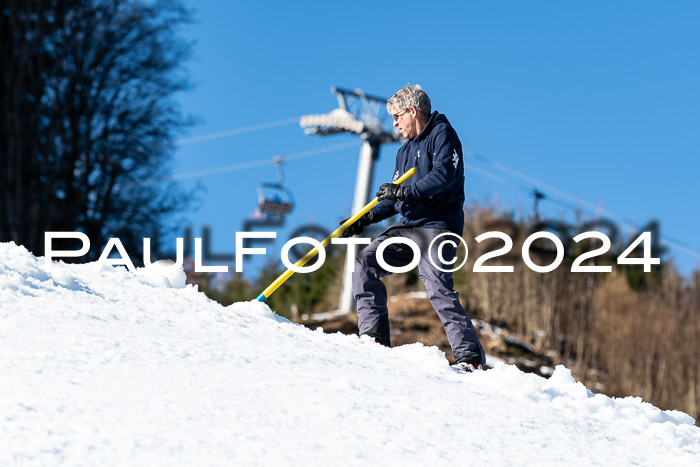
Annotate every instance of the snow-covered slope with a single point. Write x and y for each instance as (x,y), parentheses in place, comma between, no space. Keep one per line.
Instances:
(110,367)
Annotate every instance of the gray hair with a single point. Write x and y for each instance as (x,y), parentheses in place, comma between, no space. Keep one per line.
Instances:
(410,96)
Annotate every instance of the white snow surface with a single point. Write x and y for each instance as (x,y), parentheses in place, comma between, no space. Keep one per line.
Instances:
(108,367)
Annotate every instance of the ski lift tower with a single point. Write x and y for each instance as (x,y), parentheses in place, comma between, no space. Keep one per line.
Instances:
(360,114)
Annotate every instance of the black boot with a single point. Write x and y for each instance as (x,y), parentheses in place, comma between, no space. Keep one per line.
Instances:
(380,331)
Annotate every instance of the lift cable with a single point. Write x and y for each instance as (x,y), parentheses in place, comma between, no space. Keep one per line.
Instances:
(236,131)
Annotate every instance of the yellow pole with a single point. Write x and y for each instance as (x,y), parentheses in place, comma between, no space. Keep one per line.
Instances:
(287,274)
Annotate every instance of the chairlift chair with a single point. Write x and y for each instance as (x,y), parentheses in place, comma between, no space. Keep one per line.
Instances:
(274,199)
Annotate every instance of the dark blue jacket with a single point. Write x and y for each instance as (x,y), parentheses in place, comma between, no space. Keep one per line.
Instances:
(435,198)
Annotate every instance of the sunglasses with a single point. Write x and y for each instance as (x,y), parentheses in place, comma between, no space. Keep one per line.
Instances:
(397,115)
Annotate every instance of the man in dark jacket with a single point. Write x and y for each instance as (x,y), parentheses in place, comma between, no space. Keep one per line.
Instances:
(431,205)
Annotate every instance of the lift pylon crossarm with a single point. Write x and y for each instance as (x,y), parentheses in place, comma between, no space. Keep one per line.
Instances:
(336,121)
(366,108)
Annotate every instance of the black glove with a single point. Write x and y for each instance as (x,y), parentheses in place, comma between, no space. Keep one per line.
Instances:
(358,226)
(391,191)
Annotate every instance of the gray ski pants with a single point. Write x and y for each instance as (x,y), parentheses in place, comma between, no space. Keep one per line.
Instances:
(370,292)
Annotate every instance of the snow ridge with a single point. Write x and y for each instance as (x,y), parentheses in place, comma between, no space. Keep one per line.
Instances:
(108,367)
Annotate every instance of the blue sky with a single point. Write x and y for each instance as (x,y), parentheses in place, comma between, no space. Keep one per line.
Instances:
(596,99)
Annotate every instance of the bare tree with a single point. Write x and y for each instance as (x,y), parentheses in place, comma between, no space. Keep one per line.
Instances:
(86,116)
